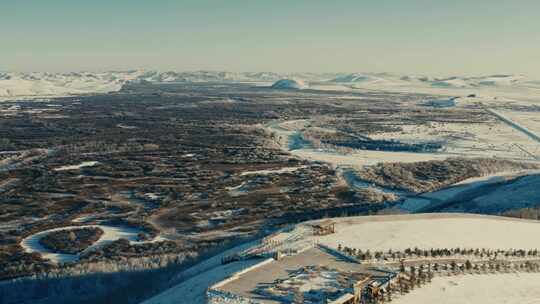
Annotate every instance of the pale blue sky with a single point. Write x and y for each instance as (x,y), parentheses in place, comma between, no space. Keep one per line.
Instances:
(402,36)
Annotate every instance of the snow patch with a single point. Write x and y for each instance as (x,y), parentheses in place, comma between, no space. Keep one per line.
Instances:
(276,171)
(477,289)
(433,231)
(110,234)
(77,167)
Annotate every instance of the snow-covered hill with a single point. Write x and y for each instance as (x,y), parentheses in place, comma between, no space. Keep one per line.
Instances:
(32,85)
(285,84)
(357,78)
(413,80)
(208,76)
(28,85)
(487,81)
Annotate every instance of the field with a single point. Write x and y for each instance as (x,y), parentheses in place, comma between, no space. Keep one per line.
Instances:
(433,231)
(500,288)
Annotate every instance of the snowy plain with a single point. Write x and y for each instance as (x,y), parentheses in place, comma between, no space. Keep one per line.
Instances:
(503,288)
(399,232)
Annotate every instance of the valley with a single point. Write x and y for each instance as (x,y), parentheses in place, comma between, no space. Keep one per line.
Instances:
(178,175)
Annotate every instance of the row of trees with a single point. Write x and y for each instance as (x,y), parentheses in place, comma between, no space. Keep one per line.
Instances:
(413,277)
(129,280)
(478,253)
(428,176)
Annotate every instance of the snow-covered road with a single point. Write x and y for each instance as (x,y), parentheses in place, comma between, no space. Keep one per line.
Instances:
(515,125)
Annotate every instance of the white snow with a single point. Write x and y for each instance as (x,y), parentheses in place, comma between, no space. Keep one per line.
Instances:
(468,139)
(455,82)
(433,230)
(451,192)
(477,289)
(495,177)
(459,140)
(286,130)
(399,232)
(76,167)
(276,171)
(516,125)
(110,234)
(358,78)
(528,120)
(491,89)
(22,86)
(238,190)
(84,218)
(123,126)
(305,282)
(151,196)
(34,85)
(360,158)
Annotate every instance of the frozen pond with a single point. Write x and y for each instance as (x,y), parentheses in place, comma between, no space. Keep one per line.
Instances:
(297,141)
(441,103)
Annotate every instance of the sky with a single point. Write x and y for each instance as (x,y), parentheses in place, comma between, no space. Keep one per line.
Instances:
(437,37)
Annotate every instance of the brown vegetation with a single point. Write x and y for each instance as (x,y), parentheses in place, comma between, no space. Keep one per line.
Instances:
(433,175)
(71,241)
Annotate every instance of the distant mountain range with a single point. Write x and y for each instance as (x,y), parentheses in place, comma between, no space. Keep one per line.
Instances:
(28,85)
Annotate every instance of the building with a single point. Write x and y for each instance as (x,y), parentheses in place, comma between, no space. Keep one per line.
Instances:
(324,228)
